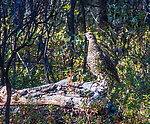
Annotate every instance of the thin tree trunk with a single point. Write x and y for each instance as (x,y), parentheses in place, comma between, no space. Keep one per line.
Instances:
(8,87)
(85,39)
(46,62)
(73,3)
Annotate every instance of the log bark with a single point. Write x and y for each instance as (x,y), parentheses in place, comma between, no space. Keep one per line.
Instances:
(63,93)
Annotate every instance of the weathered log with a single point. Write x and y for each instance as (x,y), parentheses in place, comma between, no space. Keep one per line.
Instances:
(70,97)
(63,93)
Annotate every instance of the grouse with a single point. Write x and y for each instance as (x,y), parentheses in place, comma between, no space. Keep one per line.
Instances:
(99,62)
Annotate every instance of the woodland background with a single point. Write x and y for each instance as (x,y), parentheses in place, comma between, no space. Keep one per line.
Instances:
(42,41)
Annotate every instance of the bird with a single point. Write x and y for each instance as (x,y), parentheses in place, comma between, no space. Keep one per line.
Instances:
(99,62)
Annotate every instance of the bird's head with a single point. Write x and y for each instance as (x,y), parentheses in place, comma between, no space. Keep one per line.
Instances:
(90,36)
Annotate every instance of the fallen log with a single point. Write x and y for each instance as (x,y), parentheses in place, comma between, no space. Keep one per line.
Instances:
(68,97)
(62,93)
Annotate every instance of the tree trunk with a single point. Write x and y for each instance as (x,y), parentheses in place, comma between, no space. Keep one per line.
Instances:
(85,39)
(73,3)
(8,87)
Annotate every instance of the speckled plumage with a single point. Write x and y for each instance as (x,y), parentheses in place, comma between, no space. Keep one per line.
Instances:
(99,62)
